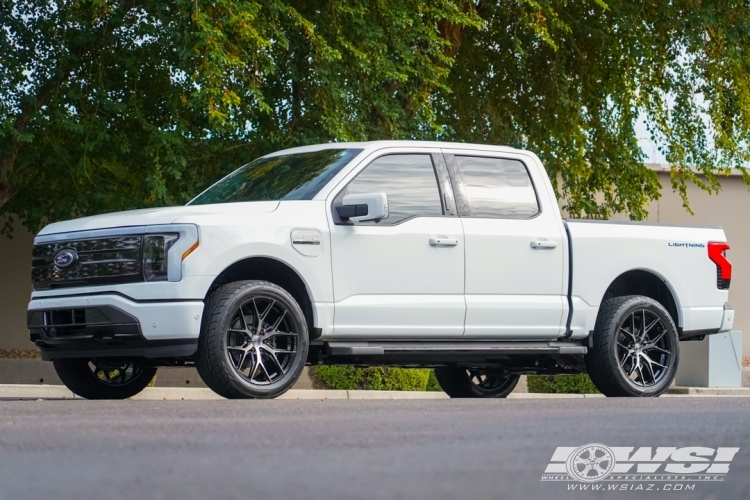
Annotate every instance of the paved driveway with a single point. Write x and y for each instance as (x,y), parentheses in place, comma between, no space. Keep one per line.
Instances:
(442,449)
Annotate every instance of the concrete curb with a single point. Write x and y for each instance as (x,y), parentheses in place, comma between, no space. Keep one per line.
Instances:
(22,391)
(28,391)
(710,391)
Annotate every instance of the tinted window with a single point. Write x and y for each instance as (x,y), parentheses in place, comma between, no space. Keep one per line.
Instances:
(409,182)
(290,177)
(497,187)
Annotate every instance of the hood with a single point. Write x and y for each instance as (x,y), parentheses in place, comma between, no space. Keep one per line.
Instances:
(153,216)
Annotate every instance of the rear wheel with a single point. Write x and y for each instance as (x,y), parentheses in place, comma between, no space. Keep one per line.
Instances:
(635,348)
(104,378)
(475,382)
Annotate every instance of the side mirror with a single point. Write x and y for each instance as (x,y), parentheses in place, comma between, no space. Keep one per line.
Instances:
(363,207)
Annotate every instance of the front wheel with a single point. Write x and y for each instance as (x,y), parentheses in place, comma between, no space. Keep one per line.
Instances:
(475,382)
(253,342)
(104,378)
(635,348)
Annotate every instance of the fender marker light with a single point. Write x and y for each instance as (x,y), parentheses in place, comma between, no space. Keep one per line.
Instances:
(189,250)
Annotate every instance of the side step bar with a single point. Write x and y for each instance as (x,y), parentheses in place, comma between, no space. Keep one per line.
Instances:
(342,348)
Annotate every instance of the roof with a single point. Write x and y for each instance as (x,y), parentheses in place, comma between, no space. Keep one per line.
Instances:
(392,144)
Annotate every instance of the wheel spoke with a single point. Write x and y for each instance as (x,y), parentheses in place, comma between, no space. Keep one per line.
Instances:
(629,334)
(625,358)
(624,346)
(262,365)
(649,347)
(272,355)
(268,310)
(657,339)
(634,367)
(115,374)
(649,327)
(650,368)
(254,365)
(242,360)
(257,316)
(274,328)
(651,361)
(243,321)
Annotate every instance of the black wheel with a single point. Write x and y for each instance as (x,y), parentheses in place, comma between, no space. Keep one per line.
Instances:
(475,382)
(253,341)
(636,348)
(104,378)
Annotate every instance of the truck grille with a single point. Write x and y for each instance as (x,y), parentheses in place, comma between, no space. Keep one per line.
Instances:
(86,262)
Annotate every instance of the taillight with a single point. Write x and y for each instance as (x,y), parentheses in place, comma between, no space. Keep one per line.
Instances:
(717,253)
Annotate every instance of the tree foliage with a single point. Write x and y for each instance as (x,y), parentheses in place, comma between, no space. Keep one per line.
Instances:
(111,105)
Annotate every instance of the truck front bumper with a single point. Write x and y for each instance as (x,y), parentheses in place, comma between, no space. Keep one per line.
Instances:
(113,325)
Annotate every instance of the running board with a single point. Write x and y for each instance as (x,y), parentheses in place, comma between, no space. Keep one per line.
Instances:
(468,347)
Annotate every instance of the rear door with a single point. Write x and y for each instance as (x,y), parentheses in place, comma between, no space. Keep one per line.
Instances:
(403,276)
(514,246)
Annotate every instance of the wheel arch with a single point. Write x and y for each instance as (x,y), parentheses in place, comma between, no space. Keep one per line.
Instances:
(647,283)
(274,271)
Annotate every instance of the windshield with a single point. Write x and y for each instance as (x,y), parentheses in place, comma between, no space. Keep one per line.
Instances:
(296,176)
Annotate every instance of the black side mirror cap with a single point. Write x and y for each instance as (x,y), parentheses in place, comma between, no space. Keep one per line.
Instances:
(345,212)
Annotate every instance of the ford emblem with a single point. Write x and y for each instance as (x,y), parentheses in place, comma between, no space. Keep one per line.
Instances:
(66,258)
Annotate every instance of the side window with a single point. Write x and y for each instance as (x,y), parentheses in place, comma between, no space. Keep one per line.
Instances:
(497,187)
(408,180)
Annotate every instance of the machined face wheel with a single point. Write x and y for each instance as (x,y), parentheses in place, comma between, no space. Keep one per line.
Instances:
(484,380)
(115,373)
(261,341)
(104,378)
(475,382)
(644,348)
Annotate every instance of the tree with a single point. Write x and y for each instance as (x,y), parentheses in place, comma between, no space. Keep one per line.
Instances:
(569,80)
(114,105)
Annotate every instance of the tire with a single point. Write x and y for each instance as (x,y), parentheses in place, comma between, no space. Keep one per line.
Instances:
(103,378)
(626,362)
(468,383)
(235,357)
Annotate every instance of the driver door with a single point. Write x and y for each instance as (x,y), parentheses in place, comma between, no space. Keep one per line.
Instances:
(403,276)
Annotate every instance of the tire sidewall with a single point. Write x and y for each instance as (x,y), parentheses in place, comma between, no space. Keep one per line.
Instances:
(636,304)
(456,383)
(77,376)
(298,320)
(498,392)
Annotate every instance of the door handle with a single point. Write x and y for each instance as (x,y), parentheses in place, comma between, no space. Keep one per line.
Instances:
(543,244)
(443,242)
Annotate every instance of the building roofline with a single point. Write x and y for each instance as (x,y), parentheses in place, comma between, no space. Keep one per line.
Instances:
(666,168)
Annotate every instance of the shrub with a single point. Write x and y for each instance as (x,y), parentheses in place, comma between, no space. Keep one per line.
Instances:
(561,384)
(372,378)
(432,383)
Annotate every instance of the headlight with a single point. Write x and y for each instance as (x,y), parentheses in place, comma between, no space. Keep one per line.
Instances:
(156,254)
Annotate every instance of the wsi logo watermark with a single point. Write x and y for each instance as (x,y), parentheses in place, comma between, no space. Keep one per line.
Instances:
(595,462)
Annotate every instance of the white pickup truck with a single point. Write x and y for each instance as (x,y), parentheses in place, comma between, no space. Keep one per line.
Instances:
(399,253)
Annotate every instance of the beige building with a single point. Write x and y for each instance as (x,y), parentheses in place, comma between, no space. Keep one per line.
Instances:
(730,209)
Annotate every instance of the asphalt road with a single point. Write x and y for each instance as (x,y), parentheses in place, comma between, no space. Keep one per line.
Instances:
(437,449)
